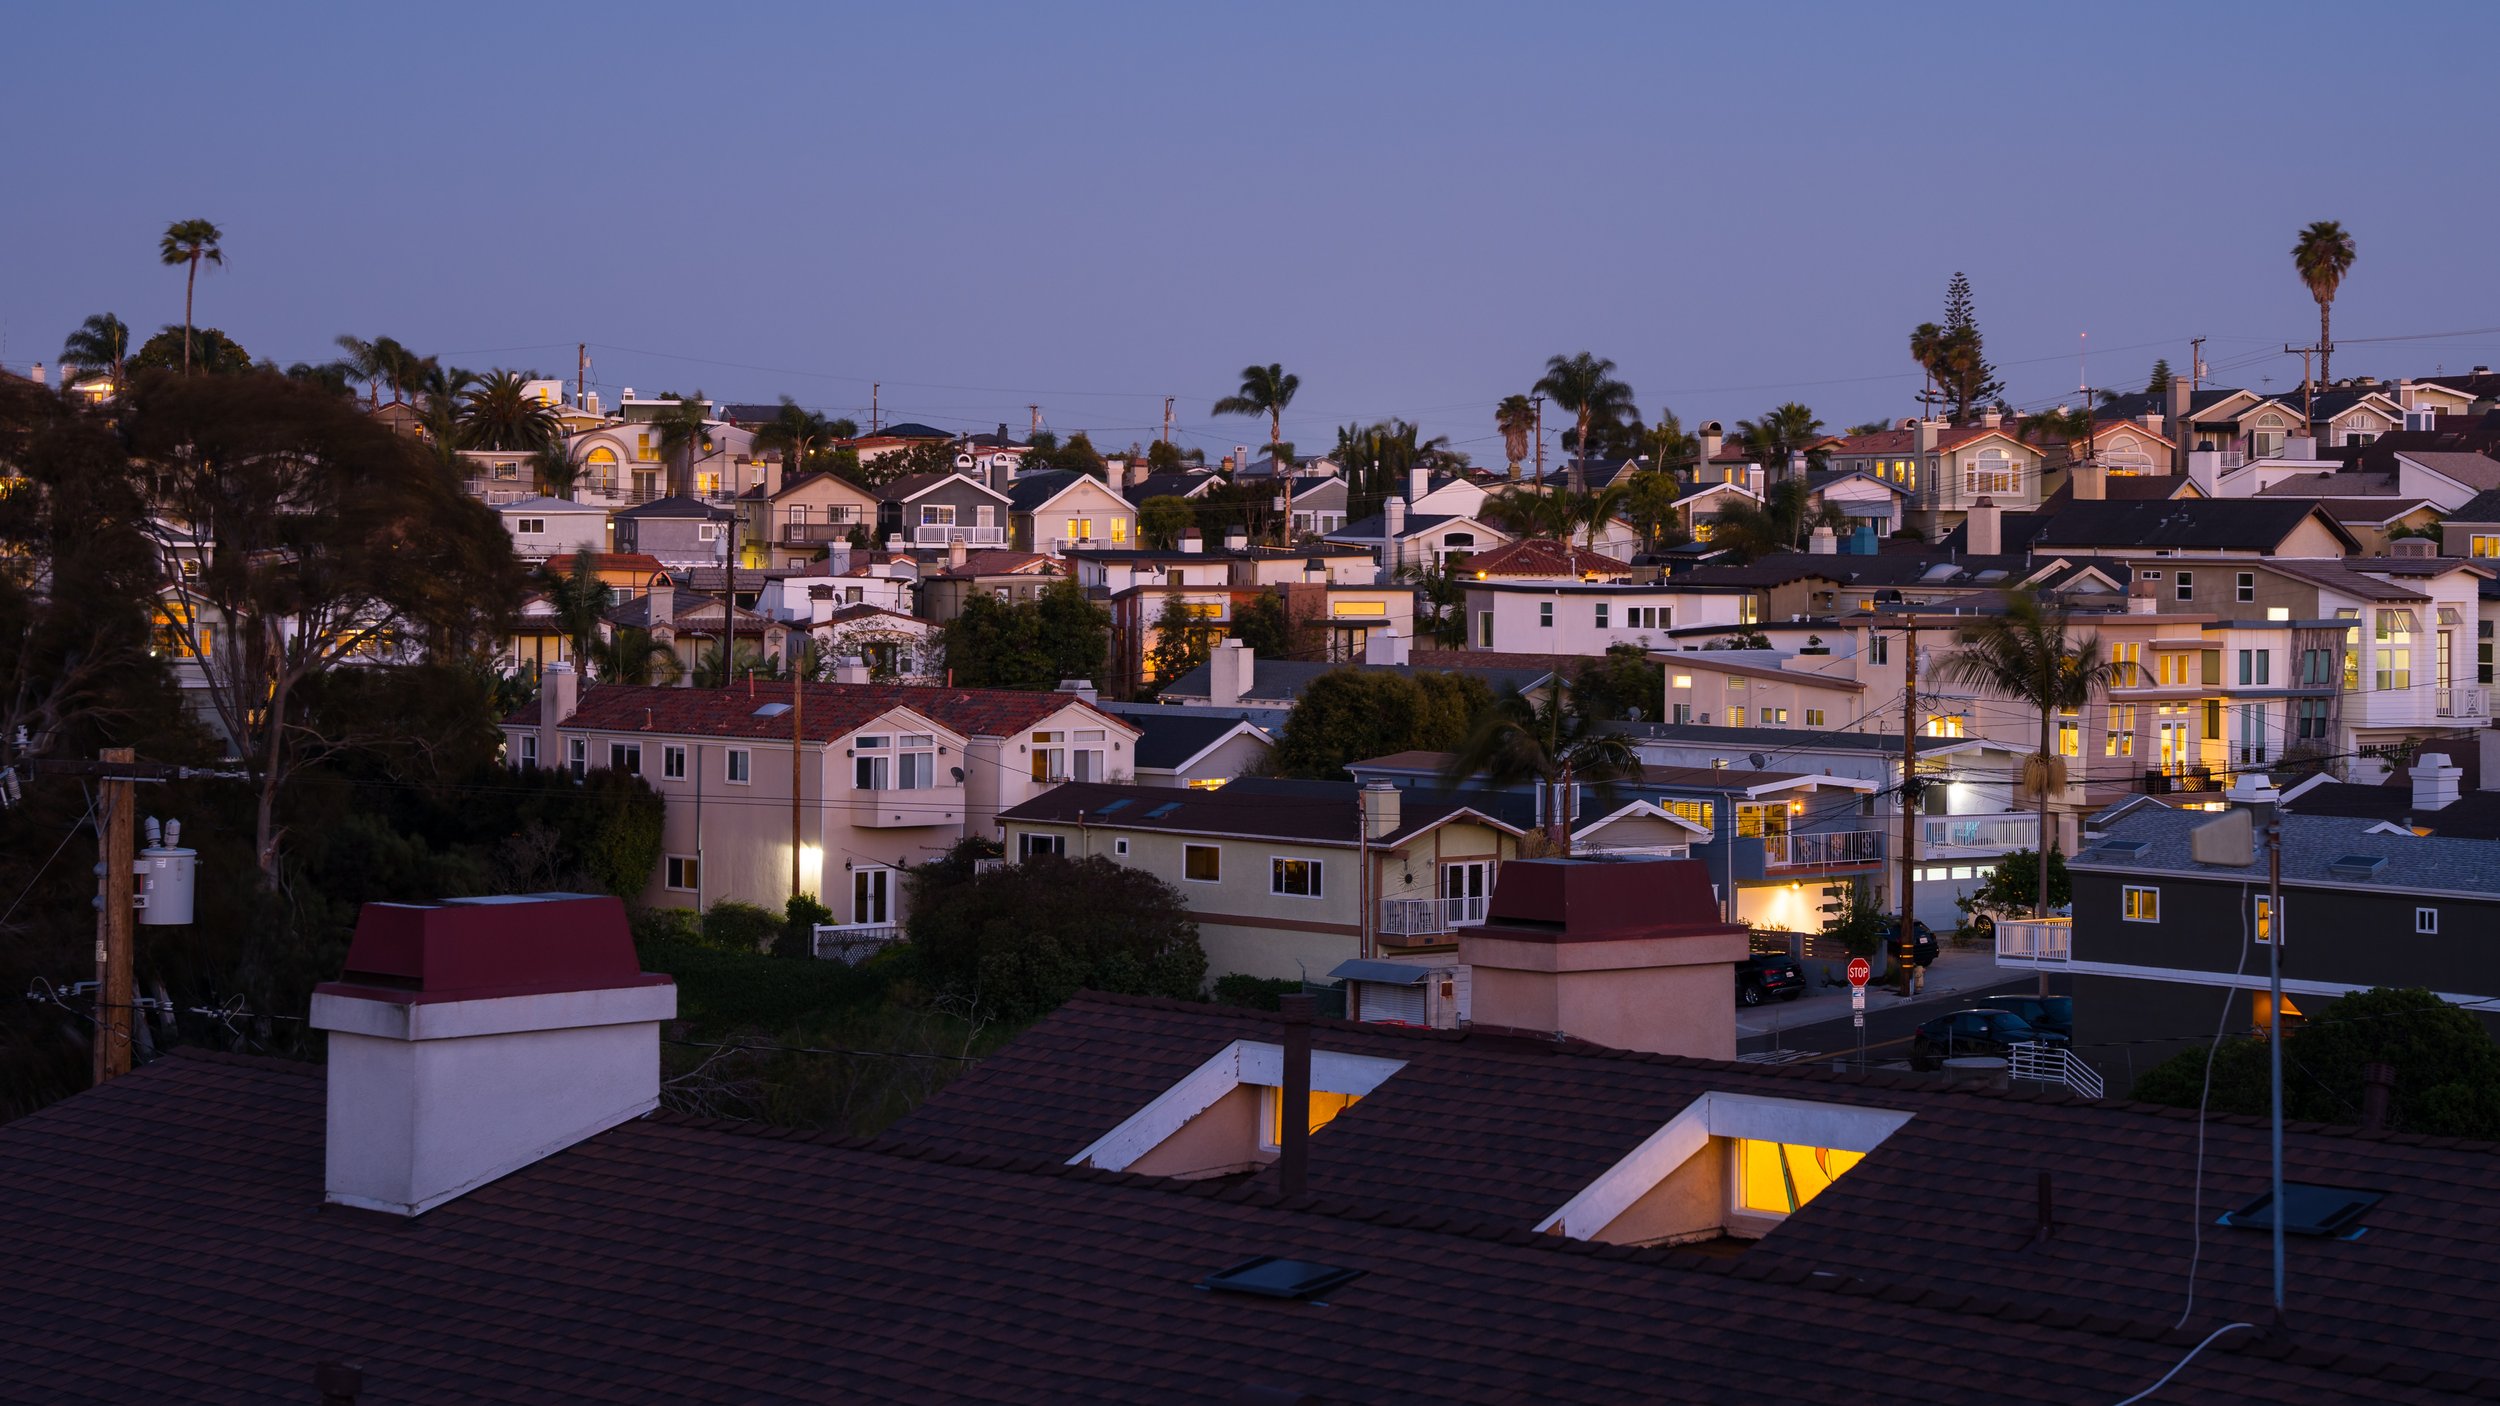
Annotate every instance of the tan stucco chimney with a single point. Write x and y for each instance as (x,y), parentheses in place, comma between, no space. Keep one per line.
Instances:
(2090,481)
(559,693)
(1628,953)
(1986,528)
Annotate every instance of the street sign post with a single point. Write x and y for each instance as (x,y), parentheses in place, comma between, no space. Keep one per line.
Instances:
(1859,972)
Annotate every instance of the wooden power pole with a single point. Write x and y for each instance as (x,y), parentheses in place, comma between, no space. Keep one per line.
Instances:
(116,847)
(1538,401)
(1167,419)
(798,769)
(1906,937)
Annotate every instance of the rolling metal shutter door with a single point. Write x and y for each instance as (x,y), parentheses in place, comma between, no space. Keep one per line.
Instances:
(1385,1002)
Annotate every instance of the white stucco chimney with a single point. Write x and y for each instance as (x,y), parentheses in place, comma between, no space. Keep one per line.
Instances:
(772,485)
(1822,542)
(850,668)
(1418,483)
(2089,480)
(1392,528)
(1229,673)
(559,693)
(1986,534)
(1236,539)
(37,374)
(663,598)
(471,1038)
(1191,541)
(2435,782)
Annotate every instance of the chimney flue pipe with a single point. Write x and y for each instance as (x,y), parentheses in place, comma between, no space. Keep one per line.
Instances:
(1293,1142)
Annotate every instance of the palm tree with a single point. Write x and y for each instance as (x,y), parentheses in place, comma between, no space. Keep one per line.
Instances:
(684,433)
(1265,390)
(557,472)
(499,413)
(798,433)
(101,343)
(1786,430)
(1591,511)
(189,242)
(2323,256)
(1529,512)
(1585,385)
(2062,425)
(633,655)
(1551,743)
(2028,654)
(337,376)
(1515,418)
(1783,522)
(581,601)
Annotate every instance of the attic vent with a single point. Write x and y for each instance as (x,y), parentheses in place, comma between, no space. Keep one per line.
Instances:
(2309,1210)
(772,710)
(2357,866)
(1273,1278)
(1163,810)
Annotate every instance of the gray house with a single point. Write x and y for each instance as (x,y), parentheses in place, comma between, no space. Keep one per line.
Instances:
(940,510)
(679,531)
(2160,942)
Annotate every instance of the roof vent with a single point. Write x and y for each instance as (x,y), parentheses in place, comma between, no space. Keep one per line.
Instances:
(2357,866)
(1272,1278)
(2309,1210)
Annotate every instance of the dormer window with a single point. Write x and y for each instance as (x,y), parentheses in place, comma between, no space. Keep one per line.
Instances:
(1227,1115)
(1728,1165)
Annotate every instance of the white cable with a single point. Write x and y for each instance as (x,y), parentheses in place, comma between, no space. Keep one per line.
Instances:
(2184,1361)
(2196,1190)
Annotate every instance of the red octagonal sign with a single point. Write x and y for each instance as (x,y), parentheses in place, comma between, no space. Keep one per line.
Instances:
(1859,971)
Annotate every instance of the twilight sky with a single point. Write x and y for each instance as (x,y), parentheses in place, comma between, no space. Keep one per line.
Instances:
(1096,206)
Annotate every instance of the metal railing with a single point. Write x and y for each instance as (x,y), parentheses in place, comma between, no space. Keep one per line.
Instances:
(2031,942)
(1988,832)
(812,533)
(2053,1064)
(2464,702)
(936,535)
(1413,917)
(854,943)
(1828,847)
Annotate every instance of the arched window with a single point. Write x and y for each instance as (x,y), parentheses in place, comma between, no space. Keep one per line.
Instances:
(602,457)
(1990,471)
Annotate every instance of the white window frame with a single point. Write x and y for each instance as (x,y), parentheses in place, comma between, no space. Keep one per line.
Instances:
(1602,608)
(738,766)
(681,874)
(672,761)
(527,753)
(1545,615)
(530,526)
(2184,586)
(2426,922)
(872,763)
(577,756)
(619,751)
(1120,847)
(2248,588)
(1033,842)
(2127,892)
(1317,868)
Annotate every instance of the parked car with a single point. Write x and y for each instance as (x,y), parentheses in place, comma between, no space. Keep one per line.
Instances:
(1980,1031)
(2054,1015)
(1759,977)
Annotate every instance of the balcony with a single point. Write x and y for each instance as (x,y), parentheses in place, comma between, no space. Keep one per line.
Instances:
(930,534)
(854,943)
(1958,836)
(1418,922)
(816,534)
(2035,942)
(2464,702)
(1827,850)
(903,810)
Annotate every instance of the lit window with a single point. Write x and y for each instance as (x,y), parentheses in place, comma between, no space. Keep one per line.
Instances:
(1325,1107)
(1814,717)
(1362,608)
(1294,878)
(2483,545)
(1683,681)
(2264,906)
(1780,1178)
(2139,905)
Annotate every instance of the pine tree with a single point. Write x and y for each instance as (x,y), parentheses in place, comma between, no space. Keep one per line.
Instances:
(2159,382)
(1965,371)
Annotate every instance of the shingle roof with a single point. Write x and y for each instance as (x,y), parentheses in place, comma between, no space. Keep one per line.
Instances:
(1436,765)
(1282,680)
(1168,738)
(908,429)
(1543,556)
(676,506)
(2311,845)
(167,1243)
(1314,812)
(545,504)
(2473,815)
(2482,507)
(828,711)
(2246,524)
(2337,576)
(999,562)
(1030,491)
(1169,485)
(2476,471)
(909,486)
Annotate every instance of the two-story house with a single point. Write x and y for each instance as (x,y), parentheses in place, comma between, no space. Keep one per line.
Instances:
(887,776)
(924,511)
(1010,576)
(789,524)
(1590,617)
(681,532)
(544,527)
(1061,510)
(1287,878)
(1946,468)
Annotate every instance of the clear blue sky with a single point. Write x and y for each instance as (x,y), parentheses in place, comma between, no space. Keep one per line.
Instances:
(1411,206)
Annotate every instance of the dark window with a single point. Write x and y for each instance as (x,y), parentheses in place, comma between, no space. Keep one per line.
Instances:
(1029,845)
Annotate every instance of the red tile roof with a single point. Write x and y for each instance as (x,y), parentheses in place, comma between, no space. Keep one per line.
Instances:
(999,563)
(830,710)
(1543,556)
(562,563)
(167,1243)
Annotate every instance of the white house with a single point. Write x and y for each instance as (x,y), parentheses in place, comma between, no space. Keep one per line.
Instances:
(1589,617)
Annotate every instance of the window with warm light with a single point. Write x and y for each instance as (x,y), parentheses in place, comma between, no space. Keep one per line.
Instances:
(1360,608)
(2138,904)
(2483,544)
(1324,1110)
(1781,1178)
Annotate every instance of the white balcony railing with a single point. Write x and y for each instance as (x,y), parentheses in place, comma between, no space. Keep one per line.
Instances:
(2053,1064)
(1992,833)
(1826,848)
(2464,702)
(1424,917)
(2034,942)
(930,534)
(854,943)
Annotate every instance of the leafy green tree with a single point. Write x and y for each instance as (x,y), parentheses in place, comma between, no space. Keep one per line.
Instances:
(800,917)
(1348,714)
(1859,925)
(1649,503)
(212,352)
(2323,255)
(1265,390)
(935,457)
(621,844)
(1074,633)
(1783,523)
(101,343)
(2030,654)
(1263,628)
(1078,453)
(1184,640)
(740,927)
(1623,684)
(685,435)
(1030,644)
(1162,519)
(2014,885)
(1584,386)
(1163,456)
(1025,937)
(188,244)
(499,413)
(2447,1068)
(1515,420)
(1555,744)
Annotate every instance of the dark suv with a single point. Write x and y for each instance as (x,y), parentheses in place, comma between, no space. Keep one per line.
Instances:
(2052,1015)
(1973,1032)
(1758,978)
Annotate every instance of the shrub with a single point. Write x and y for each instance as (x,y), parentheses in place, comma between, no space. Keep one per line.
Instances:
(800,917)
(740,927)
(1024,938)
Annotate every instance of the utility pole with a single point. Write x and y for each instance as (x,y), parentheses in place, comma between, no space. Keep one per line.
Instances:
(874,387)
(1905,938)
(1538,401)
(1036,427)
(798,751)
(2196,366)
(2305,385)
(728,608)
(117,851)
(581,375)
(2274,1034)
(1167,419)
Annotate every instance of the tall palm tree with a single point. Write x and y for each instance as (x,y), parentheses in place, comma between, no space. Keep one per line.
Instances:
(2324,255)
(2060,426)
(101,343)
(684,435)
(1591,511)
(1515,417)
(1552,743)
(1265,390)
(633,655)
(2028,654)
(1585,385)
(1529,512)
(189,242)
(580,600)
(499,413)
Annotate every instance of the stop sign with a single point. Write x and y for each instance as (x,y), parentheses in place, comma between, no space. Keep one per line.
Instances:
(1859,971)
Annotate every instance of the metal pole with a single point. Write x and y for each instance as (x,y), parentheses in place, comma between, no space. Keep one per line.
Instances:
(798,758)
(115,847)
(2274,1036)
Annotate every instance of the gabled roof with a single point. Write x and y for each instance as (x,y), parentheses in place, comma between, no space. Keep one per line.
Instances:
(674,506)
(1308,812)
(1169,739)
(690,613)
(2314,845)
(910,486)
(562,562)
(544,504)
(1543,556)
(1182,484)
(814,478)
(908,429)
(1033,492)
(998,562)
(2481,508)
(2242,524)
(854,614)
(829,710)
(2476,471)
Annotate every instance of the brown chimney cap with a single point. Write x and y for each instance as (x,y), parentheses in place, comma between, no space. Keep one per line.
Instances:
(472,948)
(1603,900)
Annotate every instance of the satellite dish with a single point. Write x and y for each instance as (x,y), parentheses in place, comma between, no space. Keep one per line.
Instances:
(1759,761)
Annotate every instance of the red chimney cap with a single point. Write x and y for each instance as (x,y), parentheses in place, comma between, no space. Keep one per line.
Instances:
(474,948)
(1603,900)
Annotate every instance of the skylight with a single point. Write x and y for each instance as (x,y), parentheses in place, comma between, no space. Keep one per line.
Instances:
(1272,1278)
(1115,805)
(2309,1210)
(772,710)
(1163,810)
(2357,866)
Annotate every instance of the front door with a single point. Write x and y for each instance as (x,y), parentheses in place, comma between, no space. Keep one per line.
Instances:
(1463,891)
(870,892)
